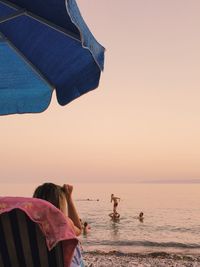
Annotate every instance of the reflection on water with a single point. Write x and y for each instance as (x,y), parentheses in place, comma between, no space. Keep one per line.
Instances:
(115,225)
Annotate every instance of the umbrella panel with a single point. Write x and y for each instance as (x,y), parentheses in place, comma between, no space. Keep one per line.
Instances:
(21,88)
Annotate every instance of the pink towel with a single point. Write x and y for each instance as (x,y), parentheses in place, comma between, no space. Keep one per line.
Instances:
(52,222)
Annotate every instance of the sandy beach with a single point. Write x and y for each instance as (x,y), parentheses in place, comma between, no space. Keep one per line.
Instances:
(116,259)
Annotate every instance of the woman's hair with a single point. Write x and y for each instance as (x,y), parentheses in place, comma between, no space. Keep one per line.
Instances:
(50,192)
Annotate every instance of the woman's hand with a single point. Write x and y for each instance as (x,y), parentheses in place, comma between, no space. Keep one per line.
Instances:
(72,213)
(68,190)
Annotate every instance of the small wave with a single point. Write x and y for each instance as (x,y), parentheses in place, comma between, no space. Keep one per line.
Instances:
(147,244)
(177,229)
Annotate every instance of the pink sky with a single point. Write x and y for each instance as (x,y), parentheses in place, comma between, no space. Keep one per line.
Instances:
(143,123)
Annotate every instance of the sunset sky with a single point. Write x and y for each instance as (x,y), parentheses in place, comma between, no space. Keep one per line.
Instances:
(141,124)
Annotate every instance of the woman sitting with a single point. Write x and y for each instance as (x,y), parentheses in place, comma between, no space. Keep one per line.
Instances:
(61,197)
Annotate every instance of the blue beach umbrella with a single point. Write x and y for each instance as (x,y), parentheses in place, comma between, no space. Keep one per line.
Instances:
(45,45)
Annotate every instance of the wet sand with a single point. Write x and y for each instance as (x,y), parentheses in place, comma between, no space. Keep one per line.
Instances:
(116,259)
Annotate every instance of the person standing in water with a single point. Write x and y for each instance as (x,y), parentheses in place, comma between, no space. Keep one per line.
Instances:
(141,217)
(115,202)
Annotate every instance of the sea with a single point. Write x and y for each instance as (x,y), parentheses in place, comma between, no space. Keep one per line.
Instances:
(171,216)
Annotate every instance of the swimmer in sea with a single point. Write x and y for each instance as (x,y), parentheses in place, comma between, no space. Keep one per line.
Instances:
(114,216)
(115,202)
(86,228)
(141,217)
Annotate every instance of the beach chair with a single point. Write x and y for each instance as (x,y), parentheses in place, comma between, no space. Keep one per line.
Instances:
(25,238)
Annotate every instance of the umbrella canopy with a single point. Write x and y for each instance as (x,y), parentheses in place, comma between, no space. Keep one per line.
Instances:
(45,45)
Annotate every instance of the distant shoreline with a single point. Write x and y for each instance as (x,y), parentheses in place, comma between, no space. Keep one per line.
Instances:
(192,181)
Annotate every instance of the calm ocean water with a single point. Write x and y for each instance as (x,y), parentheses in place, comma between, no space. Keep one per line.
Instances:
(171,216)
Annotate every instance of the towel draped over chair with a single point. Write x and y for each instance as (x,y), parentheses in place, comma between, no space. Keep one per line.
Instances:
(18,219)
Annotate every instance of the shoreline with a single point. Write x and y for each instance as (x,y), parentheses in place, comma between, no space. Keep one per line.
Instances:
(119,259)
